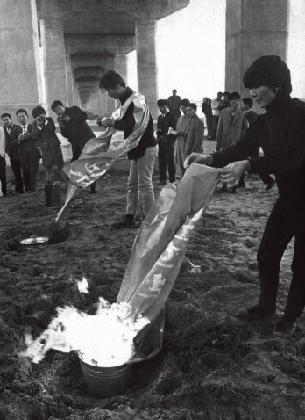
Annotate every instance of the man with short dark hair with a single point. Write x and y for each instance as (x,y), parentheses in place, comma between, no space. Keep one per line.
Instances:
(43,132)
(11,132)
(280,132)
(166,140)
(73,125)
(216,109)
(133,117)
(181,131)
(29,155)
(173,103)
(195,131)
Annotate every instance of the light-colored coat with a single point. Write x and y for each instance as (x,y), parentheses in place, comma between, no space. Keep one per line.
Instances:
(230,128)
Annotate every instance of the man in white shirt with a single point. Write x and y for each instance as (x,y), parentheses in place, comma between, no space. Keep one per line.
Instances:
(2,162)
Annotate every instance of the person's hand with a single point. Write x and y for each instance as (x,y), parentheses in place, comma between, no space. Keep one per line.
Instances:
(107,122)
(197,158)
(231,173)
(64,118)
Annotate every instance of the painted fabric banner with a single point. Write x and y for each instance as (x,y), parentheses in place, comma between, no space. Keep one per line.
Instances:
(98,155)
(159,249)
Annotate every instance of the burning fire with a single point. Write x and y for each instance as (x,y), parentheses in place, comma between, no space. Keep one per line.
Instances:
(103,339)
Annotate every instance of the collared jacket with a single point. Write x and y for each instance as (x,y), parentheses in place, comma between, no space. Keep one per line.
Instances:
(11,140)
(280,132)
(164,122)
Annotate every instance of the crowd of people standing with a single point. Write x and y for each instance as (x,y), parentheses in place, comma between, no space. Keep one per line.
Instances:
(27,143)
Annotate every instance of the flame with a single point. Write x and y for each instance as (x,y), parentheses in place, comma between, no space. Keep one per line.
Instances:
(103,339)
(83,285)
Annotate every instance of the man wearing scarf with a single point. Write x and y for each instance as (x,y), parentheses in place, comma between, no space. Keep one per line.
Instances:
(280,132)
(134,119)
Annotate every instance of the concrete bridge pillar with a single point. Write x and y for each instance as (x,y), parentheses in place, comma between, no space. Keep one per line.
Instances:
(253,28)
(55,61)
(20,73)
(121,64)
(147,66)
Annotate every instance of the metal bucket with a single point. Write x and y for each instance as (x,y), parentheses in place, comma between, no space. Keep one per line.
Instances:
(52,194)
(106,381)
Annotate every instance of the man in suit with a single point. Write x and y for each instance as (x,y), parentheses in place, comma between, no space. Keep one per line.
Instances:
(166,120)
(29,154)
(42,131)
(73,125)
(2,162)
(11,133)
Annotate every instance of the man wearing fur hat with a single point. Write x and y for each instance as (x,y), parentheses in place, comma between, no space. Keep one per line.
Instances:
(280,132)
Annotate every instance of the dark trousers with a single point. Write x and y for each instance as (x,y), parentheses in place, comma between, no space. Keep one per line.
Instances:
(29,166)
(3,175)
(16,168)
(214,124)
(166,161)
(287,220)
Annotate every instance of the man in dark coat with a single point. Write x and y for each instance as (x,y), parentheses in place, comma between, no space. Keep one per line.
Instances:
(42,131)
(251,117)
(11,133)
(166,141)
(73,125)
(173,104)
(29,154)
(280,132)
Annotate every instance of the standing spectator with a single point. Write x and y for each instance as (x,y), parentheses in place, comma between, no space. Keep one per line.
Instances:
(166,120)
(43,132)
(216,107)
(2,162)
(29,154)
(174,104)
(225,103)
(11,132)
(207,111)
(134,118)
(73,125)
(195,131)
(231,126)
(182,127)
(251,117)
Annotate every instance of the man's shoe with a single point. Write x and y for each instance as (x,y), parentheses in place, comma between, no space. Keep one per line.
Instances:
(126,222)
(270,184)
(256,312)
(162,183)
(285,325)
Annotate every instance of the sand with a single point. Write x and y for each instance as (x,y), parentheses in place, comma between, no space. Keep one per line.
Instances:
(213,366)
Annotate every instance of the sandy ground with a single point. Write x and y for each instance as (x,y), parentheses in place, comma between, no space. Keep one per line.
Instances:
(213,366)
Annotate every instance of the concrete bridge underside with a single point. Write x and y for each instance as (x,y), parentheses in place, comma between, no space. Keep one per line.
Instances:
(58,49)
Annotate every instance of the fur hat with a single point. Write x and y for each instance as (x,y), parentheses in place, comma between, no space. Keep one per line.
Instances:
(268,70)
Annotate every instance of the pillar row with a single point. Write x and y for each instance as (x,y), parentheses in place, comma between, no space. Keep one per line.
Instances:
(147,65)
